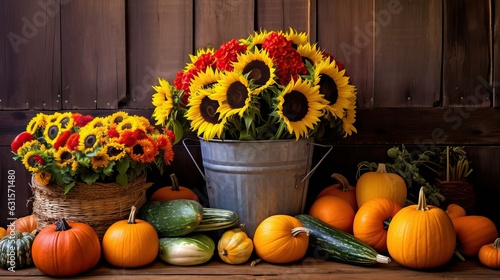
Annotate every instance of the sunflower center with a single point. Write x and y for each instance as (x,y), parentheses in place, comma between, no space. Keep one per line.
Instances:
(328,88)
(236,95)
(126,126)
(295,106)
(258,72)
(64,122)
(53,131)
(90,141)
(138,150)
(208,109)
(118,120)
(32,161)
(65,156)
(113,151)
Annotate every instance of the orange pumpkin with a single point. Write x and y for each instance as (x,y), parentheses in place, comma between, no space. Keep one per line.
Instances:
(372,222)
(342,189)
(334,211)
(380,183)
(174,192)
(473,232)
(454,211)
(130,243)
(3,232)
(421,237)
(281,239)
(66,249)
(489,254)
(24,224)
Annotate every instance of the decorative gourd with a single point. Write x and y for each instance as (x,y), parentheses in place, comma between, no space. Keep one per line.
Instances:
(489,254)
(66,248)
(3,232)
(342,189)
(235,247)
(192,249)
(130,243)
(455,211)
(24,224)
(334,211)
(15,250)
(472,233)
(421,237)
(380,183)
(215,219)
(174,192)
(281,239)
(372,222)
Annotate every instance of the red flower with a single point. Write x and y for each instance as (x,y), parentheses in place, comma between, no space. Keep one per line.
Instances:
(140,134)
(128,138)
(170,135)
(113,133)
(81,120)
(20,139)
(228,53)
(61,140)
(38,159)
(72,142)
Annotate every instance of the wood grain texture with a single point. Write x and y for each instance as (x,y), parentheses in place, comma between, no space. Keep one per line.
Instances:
(467,53)
(93,54)
(407,53)
(159,41)
(345,30)
(30,55)
(496,58)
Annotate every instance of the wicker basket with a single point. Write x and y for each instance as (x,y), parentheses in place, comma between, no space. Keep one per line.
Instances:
(458,192)
(99,205)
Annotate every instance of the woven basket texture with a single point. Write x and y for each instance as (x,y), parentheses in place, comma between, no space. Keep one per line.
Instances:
(458,192)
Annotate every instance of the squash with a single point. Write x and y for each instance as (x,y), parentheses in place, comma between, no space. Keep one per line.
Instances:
(15,250)
(216,219)
(489,254)
(66,248)
(472,233)
(372,222)
(24,224)
(454,211)
(379,183)
(3,232)
(330,243)
(281,239)
(172,217)
(193,249)
(234,246)
(342,189)
(421,237)
(173,192)
(130,243)
(334,211)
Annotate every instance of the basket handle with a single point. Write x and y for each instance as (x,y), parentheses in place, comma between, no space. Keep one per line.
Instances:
(192,158)
(330,147)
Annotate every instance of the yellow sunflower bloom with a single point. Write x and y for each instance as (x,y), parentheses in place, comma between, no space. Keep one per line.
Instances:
(66,120)
(30,162)
(63,157)
(204,116)
(297,38)
(90,138)
(204,80)
(117,117)
(163,101)
(98,122)
(37,122)
(52,132)
(255,40)
(130,124)
(348,122)
(115,150)
(233,95)
(258,67)
(310,53)
(43,177)
(100,160)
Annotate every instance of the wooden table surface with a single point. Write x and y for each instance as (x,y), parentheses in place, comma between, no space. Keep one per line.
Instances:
(308,268)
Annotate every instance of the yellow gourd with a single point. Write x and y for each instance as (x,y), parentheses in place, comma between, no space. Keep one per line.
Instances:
(235,247)
(380,183)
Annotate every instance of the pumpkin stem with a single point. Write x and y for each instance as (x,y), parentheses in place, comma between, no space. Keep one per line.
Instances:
(223,252)
(131,216)
(175,182)
(459,256)
(255,262)
(295,231)
(62,225)
(343,182)
(422,203)
(387,222)
(381,168)
(382,259)
(496,244)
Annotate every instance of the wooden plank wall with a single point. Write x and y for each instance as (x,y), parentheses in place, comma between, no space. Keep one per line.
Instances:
(425,71)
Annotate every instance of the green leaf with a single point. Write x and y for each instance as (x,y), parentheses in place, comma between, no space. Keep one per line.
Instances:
(68,187)
(123,165)
(122,179)
(90,178)
(178,131)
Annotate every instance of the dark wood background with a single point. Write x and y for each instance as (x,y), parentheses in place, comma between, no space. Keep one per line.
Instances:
(426,72)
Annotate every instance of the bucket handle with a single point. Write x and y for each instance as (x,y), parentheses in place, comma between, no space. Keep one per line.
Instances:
(192,158)
(330,147)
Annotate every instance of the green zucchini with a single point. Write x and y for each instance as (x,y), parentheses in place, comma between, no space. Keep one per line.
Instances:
(215,219)
(331,243)
(193,249)
(172,217)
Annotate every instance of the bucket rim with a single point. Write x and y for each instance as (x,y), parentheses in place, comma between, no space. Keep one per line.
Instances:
(311,139)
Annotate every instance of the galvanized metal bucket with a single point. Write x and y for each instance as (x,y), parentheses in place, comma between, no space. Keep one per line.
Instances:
(257,179)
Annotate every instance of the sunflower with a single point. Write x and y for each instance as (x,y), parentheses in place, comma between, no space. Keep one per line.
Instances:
(255,40)
(63,157)
(66,120)
(233,95)
(205,80)
(130,124)
(30,146)
(43,177)
(310,53)
(90,138)
(115,150)
(100,160)
(299,107)
(258,67)
(117,117)
(52,132)
(37,122)
(31,161)
(163,101)
(144,150)
(98,122)
(335,87)
(348,122)
(204,116)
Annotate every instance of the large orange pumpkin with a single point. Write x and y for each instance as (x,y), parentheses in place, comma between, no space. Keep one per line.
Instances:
(489,254)
(472,233)
(342,189)
(66,249)
(281,239)
(372,222)
(380,183)
(24,224)
(421,237)
(173,192)
(334,211)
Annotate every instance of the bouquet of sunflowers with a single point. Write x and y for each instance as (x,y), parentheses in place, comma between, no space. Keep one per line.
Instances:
(65,148)
(271,85)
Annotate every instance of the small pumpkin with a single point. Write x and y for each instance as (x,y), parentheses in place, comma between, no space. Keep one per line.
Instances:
(130,243)
(342,189)
(173,192)
(372,222)
(66,248)
(235,247)
(334,211)
(472,233)
(24,224)
(380,183)
(281,239)
(489,254)
(421,236)
(15,250)
(454,211)
(3,232)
